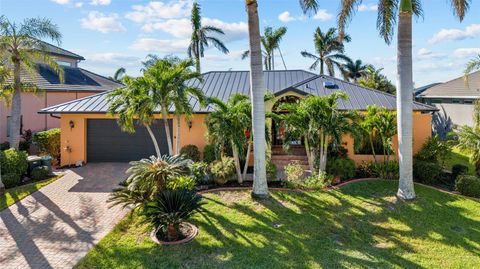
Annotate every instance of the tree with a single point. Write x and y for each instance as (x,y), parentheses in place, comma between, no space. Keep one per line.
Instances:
(473,64)
(22,49)
(227,125)
(374,79)
(270,42)
(119,74)
(329,51)
(133,104)
(201,39)
(354,70)
(389,12)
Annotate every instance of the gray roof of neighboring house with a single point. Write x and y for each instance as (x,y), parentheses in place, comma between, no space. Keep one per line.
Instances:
(456,88)
(59,51)
(222,84)
(420,90)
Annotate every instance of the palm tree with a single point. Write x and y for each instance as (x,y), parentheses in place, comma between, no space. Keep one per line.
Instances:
(119,74)
(473,64)
(330,51)
(257,93)
(227,123)
(201,39)
(389,12)
(133,104)
(354,70)
(374,79)
(21,48)
(270,42)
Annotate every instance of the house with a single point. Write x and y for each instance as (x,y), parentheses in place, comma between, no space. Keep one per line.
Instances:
(88,134)
(78,83)
(454,99)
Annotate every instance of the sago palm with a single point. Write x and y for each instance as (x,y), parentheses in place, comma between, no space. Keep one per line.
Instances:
(329,51)
(21,49)
(201,37)
(270,42)
(390,14)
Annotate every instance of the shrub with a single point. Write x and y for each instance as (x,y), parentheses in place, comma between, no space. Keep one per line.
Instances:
(294,173)
(39,173)
(48,142)
(222,170)
(337,152)
(209,153)
(13,161)
(199,171)
(385,170)
(169,208)
(317,181)
(433,150)
(132,197)
(459,169)
(271,170)
(191,152)
(11,180)
(5,145)
(468,185)
(426,172)
(341,167)
(364,170)
(181,183)
(26,140)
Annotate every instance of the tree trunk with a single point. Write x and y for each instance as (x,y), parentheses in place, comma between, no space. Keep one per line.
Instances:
(404,105)
(154,140)
(197,57)
(237,163)
(167,129)
(16,110)
(257,92)
(373,148)
(309,155)
(172,234)
(177,143)
(247,159)
(321,67)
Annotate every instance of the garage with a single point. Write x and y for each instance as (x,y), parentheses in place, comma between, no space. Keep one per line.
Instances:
(106,142)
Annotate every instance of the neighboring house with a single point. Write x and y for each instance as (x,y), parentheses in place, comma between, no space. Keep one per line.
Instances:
(454,99)
(90,135)
(78,83)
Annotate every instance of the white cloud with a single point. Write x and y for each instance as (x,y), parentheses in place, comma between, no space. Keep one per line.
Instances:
(286,17)
(100,2)
(157,10)
(423,54)
(367,7)
(323,15)
(233,30)
(456,34)
(61,2)
(112,57)
(98,21)
(466,52)
(161,45)
(79,4)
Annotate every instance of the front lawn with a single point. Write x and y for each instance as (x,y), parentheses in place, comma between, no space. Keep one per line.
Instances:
(458,156)
(359,226)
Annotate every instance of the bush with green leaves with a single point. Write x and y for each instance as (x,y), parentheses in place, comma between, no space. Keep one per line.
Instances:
(191,152)
(468,185)
(11,180)
(13,161)
(209,153)
(385,170)
(181,183)
(294,173)
(48,142)
(426,172)
(433,150)
(341,167)
(271,170)
(5,145)
(169,209)
(132,196)
(222,170)
(317,181)
(199,171)
(459,169)
(39,173)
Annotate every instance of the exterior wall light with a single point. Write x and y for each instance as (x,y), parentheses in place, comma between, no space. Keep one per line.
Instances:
(72,124)
(189,124)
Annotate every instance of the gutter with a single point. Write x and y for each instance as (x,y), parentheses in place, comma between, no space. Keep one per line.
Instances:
(54,116)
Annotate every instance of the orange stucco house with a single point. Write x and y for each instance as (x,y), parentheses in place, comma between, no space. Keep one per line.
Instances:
(90,135)
(78,83)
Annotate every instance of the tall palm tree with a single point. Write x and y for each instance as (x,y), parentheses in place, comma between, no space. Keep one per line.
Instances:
(257,93)
(472,65)
(389,13)
(21,48)
(133,104)
(270,42)
(353,70)
(329,51)
(119,74)
(201,39)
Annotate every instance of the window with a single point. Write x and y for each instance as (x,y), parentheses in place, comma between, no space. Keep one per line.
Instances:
(64,63)
(469,102)
(436,101)
(9,125)
(456,101)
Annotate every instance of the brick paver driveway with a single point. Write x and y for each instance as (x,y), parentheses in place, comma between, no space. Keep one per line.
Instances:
(57,225)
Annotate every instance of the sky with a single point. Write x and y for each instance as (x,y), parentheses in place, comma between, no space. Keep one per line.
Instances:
(120,33)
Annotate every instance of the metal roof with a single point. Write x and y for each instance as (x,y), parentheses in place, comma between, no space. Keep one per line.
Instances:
(456,88)
(222,84)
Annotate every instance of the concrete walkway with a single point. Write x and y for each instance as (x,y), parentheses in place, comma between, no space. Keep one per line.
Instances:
(57,225)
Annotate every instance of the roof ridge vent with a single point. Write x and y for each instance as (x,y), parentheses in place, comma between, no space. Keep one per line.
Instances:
(330,85)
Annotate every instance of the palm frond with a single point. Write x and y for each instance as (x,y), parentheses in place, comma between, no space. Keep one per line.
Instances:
(460,8)
(387,18)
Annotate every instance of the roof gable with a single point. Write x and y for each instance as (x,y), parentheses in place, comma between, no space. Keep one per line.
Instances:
(456,88)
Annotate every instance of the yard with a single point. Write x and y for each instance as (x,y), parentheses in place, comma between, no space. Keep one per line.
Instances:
(360,225)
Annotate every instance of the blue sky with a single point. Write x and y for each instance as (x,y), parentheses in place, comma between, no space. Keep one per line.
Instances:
(114,33)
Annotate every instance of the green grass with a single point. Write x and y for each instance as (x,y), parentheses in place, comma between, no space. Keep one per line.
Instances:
(358,226)
(457,156)
(13,195)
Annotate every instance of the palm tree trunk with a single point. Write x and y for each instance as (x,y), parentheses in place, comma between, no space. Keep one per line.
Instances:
(197,57)
(309,155)
(16,111)
(404,105)
(167,129)
(373,148)
(272,67)
(247,159)
(237,162)
(321,67)
(154,140)
(177,142)
(257,92)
